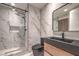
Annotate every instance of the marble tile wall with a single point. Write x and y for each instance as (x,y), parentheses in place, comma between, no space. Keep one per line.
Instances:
(34,26)
(4,28)
(46,22)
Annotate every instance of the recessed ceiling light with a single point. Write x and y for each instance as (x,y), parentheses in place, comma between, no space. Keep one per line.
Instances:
(65,10)
(13,4)
(13,9)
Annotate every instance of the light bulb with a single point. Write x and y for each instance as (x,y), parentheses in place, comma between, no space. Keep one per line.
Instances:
(13,4)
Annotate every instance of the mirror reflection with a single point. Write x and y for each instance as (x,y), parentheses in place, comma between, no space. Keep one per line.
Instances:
(66,18)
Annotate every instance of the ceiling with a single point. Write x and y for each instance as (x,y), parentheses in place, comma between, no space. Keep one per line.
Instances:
(20,5)
(24,5)
(38,5)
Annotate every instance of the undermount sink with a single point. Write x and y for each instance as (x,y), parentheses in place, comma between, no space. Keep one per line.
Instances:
(67,40)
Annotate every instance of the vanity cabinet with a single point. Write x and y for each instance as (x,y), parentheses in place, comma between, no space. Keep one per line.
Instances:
(54,51)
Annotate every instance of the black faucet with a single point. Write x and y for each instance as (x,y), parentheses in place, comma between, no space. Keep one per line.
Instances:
(63,35)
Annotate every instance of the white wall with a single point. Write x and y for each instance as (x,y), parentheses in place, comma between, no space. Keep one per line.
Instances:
(74,20)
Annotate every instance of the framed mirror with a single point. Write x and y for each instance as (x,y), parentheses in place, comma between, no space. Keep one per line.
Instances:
(66,18)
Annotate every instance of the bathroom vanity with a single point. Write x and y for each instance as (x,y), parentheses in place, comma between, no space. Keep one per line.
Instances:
(58,47)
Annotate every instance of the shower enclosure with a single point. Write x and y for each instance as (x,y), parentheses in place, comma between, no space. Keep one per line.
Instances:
(13,30)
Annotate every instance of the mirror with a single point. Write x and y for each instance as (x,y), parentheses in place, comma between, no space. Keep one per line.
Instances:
(66,18)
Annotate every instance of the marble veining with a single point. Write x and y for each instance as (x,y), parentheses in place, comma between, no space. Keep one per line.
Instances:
(34,26)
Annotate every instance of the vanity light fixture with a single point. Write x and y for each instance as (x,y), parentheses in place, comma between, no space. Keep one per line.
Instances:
(65,10)
(13,4)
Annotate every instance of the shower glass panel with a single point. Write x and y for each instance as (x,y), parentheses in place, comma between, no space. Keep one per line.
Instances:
(12,28)
(17,27)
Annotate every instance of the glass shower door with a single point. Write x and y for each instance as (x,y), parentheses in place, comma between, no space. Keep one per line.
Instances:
(12,30)
(18,28)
